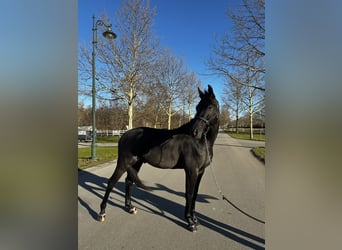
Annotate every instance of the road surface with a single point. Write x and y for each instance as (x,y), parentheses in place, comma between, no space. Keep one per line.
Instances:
(159,223)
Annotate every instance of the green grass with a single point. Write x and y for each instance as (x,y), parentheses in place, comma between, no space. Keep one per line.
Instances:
(104,139)
(259,152)
(245,136)
(104,154)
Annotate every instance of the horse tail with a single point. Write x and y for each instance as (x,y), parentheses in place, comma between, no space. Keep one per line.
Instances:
(134,175)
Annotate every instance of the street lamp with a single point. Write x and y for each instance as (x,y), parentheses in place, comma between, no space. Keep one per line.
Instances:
(109,34)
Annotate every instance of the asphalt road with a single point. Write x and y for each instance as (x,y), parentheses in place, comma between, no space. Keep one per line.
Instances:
(159,223)
(88,144)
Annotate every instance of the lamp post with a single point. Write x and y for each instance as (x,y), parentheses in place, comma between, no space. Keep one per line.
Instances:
(109,34)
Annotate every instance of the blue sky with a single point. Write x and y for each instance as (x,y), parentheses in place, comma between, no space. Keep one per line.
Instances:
(186,27)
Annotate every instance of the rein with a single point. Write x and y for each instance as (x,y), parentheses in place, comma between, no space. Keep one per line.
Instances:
(219,189)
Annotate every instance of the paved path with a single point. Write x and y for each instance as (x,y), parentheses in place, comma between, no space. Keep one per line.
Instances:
(88,144)
(159,223)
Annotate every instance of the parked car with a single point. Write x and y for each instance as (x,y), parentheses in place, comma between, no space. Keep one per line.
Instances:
(84,135)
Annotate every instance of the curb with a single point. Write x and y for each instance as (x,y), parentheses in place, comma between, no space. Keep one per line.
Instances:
(258,157)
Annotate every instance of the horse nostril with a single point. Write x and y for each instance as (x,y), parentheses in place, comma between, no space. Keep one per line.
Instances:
(195,132)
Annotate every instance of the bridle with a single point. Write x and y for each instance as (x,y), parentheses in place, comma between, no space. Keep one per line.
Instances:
(203,119)
(207,122)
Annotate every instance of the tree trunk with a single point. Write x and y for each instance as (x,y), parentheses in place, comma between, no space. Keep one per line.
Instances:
(130,115)
(189,112)
(130,106)
(169,116)
(251,120)
(236,122)
(156,120)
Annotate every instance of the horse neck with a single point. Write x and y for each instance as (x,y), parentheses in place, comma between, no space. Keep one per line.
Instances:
(212,134)
(184,129)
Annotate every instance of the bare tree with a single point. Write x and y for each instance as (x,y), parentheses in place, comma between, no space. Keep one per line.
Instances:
(156,94)
(124,64)
(133,57)
(233,95)
(171,73)
(224,116)
(190,94)
(83,115)
(246,40)
(239,56)
(252,99)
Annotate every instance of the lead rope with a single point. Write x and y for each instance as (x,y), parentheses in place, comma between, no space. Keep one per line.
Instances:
(219,189)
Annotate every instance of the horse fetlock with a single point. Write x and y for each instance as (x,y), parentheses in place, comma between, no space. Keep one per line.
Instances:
(101,217)
(132,209)
(195,220)
(192,227)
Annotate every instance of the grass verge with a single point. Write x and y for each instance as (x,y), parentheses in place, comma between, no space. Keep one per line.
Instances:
(245,136)
(259,153)
(104,139)
(104,154)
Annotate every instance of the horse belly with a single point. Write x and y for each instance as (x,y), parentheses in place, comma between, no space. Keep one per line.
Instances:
(169,163)
(159,158)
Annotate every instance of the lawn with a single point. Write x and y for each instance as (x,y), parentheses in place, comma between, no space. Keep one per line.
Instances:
(104,154)
(259,152)
(245,136)
(104,139)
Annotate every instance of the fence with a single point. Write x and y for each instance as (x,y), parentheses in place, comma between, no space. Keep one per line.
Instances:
(110,132)
(246,130)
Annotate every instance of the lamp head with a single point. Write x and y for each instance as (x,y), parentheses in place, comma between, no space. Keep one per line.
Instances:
(109,34)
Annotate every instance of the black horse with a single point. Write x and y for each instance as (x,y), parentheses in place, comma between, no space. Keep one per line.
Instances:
(189,147)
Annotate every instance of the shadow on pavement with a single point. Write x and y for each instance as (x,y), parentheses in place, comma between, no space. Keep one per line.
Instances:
(164,207)
(231,145)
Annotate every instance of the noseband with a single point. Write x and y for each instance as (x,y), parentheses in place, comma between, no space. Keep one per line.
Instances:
(205,120)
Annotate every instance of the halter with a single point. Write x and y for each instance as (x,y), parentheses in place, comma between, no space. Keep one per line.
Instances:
(205,131)
(205,120)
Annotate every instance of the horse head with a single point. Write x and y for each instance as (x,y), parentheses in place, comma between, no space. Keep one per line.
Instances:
(207,113)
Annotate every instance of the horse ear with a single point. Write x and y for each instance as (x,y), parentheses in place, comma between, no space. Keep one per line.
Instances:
(201,94)
(211,91)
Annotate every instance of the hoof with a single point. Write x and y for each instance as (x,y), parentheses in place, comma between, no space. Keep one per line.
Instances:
(102,217)
(133,210)
(192,228)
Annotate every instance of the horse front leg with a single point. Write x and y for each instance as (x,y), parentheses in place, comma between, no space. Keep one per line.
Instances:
(192,210)
(190,184)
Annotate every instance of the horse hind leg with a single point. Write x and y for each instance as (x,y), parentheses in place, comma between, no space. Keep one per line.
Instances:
(128,185)
(128,202)
(111,182)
